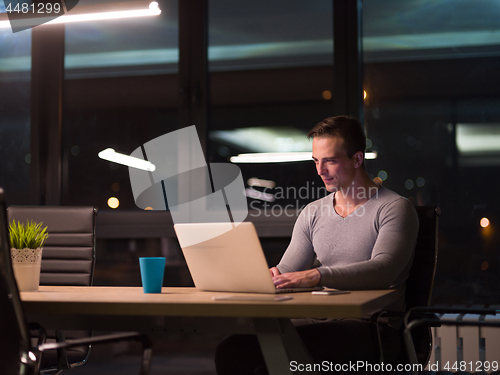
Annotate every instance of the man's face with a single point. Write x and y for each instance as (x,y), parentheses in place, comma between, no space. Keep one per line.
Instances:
(332,164)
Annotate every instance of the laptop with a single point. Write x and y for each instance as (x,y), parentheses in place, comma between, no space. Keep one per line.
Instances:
(231,261)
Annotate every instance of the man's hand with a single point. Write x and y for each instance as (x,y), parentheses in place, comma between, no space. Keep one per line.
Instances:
(302,279)
(274,271)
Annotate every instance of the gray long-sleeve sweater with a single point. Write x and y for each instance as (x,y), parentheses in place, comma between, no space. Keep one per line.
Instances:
(371,248)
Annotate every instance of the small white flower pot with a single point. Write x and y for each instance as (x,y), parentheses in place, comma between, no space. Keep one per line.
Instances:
(26,264)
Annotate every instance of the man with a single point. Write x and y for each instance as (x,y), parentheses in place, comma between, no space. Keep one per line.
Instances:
(361,236)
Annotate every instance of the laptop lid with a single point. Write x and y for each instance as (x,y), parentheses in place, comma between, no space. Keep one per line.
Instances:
(231,261)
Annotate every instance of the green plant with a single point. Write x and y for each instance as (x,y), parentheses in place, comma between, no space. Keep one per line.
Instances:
(30,235)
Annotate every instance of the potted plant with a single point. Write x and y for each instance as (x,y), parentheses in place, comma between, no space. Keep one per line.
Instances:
(26,241)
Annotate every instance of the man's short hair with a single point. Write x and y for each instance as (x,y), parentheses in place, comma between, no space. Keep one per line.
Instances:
(346,128)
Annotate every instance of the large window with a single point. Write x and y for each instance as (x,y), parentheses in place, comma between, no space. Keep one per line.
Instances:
(124,47)
(432,115)
(15,68)
(269,34)
(271,72)
(119,77)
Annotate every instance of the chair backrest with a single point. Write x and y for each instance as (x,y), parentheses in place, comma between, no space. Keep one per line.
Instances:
(14,340)
(421,279)
(68,256)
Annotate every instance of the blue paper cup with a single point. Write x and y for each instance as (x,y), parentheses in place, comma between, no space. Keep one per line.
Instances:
(152,269)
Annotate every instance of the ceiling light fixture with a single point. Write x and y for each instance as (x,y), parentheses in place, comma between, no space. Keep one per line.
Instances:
(116,157)
(281,157)
(91,13)
(271,157)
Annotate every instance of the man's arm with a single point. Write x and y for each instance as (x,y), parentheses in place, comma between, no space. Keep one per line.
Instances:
(301,255)
(391,255)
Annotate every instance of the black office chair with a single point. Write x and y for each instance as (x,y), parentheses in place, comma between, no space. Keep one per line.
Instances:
(419,287)
(17,354)
(68,258)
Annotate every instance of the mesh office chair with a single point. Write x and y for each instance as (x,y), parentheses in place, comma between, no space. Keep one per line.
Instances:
(419,285)
(68,258)
(17,354)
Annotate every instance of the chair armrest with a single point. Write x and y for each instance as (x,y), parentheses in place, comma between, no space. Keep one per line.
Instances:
(429,315)
(431,319)
(415,313)
(375,317)
(105,339)
(42,334)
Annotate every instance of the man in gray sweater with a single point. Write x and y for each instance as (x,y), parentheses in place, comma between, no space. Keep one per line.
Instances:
(361,236)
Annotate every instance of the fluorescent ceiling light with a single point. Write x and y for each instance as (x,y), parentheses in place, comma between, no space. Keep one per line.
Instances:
(111,155)
(92,13)
(264,139)
(477,139)
(254,181)
(281,157)
(271,157)
(256,194)
(269,144)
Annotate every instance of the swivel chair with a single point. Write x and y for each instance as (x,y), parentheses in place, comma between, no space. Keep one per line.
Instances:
(419,286)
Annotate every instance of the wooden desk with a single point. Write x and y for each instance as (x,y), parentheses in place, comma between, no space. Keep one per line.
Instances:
(178,310)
